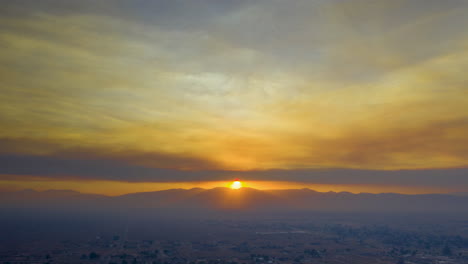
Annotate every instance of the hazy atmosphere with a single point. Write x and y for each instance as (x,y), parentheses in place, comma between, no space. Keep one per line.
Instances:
(115,97)
(233,131)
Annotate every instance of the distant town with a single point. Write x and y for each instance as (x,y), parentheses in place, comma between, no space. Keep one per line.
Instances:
(236,242)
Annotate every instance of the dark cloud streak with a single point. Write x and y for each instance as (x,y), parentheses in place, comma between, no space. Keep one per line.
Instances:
(23,166)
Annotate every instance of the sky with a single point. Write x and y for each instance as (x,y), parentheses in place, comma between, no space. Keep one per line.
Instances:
(124,96)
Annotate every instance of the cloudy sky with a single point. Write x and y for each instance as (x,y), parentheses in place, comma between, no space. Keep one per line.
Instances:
(140,95)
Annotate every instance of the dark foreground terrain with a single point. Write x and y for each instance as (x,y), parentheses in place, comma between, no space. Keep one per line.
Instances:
(165,236)
(233,226)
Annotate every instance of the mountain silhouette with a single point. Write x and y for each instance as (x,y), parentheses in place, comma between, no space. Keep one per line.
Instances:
(242,199)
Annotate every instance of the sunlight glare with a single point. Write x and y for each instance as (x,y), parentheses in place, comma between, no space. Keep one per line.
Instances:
(236,185)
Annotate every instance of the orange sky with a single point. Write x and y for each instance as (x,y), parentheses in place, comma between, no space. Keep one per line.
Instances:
(225,86)
(113,188)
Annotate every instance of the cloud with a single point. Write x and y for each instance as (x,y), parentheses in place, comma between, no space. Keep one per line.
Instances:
(54,151)
(237,85)
(27,168)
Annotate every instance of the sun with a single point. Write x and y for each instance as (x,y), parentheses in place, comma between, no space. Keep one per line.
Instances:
(236,184)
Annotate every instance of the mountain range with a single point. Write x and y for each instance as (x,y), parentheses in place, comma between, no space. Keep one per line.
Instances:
(242,199)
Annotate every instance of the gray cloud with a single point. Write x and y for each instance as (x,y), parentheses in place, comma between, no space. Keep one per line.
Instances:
(159,83)
(18,167)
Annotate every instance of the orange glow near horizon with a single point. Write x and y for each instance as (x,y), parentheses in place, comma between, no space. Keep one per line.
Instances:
(237,93)
(235,185)
(114,188)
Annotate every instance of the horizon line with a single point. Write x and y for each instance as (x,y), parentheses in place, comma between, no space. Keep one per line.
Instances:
(227,188)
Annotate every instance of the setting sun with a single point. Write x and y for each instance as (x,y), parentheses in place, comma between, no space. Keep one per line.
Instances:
(236,184)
